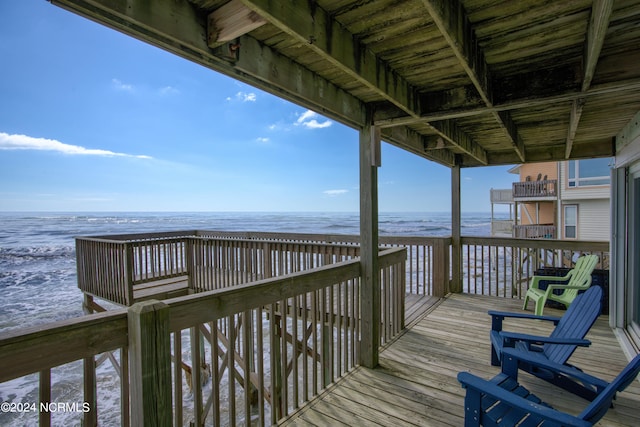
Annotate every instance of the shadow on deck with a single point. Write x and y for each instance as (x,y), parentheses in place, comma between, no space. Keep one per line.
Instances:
(415,383)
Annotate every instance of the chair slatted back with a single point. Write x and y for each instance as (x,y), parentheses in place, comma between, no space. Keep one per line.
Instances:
(575,323)
(581,274)
(602,403)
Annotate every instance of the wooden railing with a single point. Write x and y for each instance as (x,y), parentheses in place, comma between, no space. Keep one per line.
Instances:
(491,266)
(37,350)
(268,347)
(502,226)
(501,195)
(534,231)
(534,189)
(503,267)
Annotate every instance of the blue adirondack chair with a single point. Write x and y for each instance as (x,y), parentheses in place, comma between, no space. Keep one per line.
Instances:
(558,347)
(503,402)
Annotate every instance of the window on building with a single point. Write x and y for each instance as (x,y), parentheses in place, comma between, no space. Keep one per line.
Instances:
(571,222)
(589,172)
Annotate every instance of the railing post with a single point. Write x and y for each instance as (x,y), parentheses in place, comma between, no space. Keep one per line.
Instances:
(190,261)
(129,273)
(150,364)
(90,392)
(440,267)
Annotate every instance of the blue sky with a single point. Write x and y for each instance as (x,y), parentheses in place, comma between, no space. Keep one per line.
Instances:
(93,120)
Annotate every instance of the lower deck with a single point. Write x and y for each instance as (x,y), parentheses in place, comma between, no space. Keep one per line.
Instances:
(415,383)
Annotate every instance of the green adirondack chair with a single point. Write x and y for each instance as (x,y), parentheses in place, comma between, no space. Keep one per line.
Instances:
(577,279)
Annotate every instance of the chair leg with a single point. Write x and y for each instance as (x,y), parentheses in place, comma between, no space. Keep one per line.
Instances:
(540,306)
(526,300)
(495,358)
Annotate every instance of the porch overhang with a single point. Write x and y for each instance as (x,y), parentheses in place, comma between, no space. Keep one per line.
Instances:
(463,83)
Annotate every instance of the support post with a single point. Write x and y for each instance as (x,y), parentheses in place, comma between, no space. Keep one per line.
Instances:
(370,286)
(456,223)
(90,418)
(44,395)
(150,364)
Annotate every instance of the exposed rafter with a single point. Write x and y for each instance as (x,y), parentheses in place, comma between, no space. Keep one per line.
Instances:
(450,18)
(176,27)
(230,21)
(409,140)
(311,25)
(394,118)
(598,24)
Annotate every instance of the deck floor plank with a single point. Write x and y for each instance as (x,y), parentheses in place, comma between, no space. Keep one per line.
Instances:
(415,383)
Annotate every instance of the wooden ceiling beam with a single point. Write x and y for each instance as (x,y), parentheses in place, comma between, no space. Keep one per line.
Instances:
(231,21)
(598,24)
(407,139)
(389,117)
(175,26)
(311,25)
(454,25)
(448,130)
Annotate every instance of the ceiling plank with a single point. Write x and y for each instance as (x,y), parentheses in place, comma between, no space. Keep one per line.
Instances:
(313,26)
(175,26)
(598,24)
(450,18)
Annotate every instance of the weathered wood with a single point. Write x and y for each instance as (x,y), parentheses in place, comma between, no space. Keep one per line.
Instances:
(440,269)
(36,348)
(231,21)
(308,23)
(369,271)
(90,393)
(150,364)
(456,224)
(44,397)
(415,383)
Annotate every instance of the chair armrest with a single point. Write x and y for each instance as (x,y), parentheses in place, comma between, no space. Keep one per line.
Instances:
(552,287)
(536,339)
(553,279)
(511,356)
(477,385)
(498,316)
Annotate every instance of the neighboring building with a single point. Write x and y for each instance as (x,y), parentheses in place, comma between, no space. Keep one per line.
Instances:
(561,200)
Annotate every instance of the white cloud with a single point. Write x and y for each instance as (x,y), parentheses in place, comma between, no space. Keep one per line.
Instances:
(246,97)
(169,90)
(24,142)
(262,139)
(313,124)
(121,86)
(334,193)
(308,120)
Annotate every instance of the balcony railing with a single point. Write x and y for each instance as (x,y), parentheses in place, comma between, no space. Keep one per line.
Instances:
(534,231)
(252,350)
(266,348)
(535,189)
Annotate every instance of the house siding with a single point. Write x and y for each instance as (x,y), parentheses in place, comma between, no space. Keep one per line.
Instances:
(594,219)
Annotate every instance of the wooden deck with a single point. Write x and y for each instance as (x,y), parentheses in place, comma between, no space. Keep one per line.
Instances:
(416,385)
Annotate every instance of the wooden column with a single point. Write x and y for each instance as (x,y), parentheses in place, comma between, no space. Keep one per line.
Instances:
(456,223)
(370,286)
(150,364)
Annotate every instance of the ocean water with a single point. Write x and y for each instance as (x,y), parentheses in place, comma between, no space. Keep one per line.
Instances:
(38,273)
